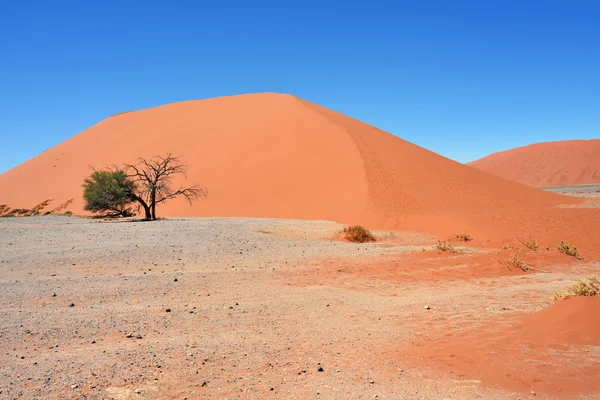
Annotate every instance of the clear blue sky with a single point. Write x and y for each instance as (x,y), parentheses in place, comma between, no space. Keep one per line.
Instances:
(461,78)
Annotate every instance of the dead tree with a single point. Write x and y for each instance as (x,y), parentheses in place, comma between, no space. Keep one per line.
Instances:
(154,182)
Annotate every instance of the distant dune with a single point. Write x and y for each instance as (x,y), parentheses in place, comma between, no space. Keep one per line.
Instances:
(274,155)
(569,162)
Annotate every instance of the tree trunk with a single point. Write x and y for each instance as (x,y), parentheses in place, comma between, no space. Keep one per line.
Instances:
(153,204)
(146,208)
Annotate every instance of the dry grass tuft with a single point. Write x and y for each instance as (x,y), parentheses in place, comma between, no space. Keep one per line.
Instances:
(464,237)
(62,206)
(569,250)
(531,244)
(445,246)
(358,234)
(39,207)
(518,262)
(580,288)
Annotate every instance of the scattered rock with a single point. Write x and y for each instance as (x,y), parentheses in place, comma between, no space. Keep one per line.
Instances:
(320,369)
(72,305)
(53,294)
(427,307)
(75,386)
(168,310)
(138,336)
(175,280)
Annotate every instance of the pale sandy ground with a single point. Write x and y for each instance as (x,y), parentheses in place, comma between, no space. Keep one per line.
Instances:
(576,190)
(243,324)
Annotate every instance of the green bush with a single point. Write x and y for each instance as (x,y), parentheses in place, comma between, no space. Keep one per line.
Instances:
(108,191)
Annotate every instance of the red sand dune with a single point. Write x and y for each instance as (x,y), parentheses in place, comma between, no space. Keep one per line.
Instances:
(569,162)
(575,321)
(545,352)
(274,155)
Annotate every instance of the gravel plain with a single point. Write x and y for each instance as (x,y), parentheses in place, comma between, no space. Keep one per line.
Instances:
(216,308)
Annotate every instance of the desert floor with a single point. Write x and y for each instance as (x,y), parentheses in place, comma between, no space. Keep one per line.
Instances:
(263,309)
(576,190)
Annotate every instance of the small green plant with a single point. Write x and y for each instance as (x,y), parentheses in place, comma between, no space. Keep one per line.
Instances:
(444,246)
(464,237)
(8,215)
(48,213)
(530,243)
(68,213)
(569,250)
(580,288)
(358,234)
(506,247)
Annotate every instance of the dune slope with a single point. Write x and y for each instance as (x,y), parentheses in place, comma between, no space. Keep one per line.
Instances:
(564,163)
(273,155)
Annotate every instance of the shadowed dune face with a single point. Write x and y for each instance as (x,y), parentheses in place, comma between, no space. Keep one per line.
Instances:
(273,155)
(569,162)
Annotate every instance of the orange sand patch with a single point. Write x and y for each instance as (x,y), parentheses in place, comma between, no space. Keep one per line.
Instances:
(542,352)
(432,265)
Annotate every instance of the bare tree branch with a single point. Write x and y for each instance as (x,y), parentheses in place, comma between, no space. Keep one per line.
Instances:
(154,180)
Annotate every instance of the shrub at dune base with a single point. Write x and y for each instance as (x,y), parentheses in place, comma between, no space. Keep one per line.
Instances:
(358,234)
(464,237)
(569,250)
(580,288)
(444,246)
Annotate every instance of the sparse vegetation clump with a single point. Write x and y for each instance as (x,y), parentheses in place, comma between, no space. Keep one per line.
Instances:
(517,262)
(464,237)
(530,243)
(68,213)
(62,206)
(445,246)
(580,288)
(569,250)
(358,234)
(40,207)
